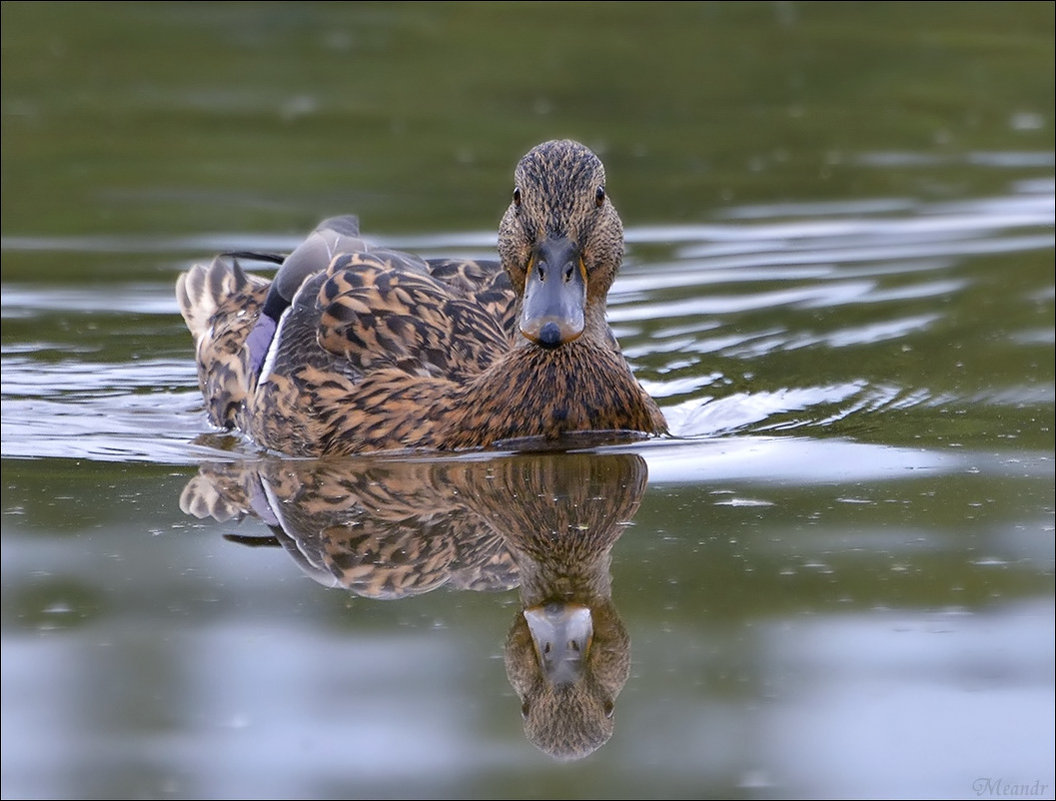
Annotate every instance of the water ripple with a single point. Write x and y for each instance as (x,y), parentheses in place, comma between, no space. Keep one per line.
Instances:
(771,322)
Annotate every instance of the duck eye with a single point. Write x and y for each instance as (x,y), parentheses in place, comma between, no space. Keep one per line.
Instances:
(516,196)
(599,196)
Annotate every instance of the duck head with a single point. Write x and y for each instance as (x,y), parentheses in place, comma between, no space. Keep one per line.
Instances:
(561,243)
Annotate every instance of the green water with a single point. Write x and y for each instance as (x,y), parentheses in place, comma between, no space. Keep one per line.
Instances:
(837,578)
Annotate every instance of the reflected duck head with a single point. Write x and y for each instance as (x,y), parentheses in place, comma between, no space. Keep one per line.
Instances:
(568,662)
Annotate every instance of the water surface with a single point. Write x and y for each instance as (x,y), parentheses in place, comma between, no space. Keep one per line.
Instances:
(834,576)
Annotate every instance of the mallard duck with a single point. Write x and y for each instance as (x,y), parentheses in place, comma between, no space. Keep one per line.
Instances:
(356,348)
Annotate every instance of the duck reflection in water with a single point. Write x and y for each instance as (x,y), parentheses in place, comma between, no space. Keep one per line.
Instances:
(389,529)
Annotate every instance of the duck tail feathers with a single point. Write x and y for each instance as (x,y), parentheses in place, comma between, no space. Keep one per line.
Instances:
(203,289)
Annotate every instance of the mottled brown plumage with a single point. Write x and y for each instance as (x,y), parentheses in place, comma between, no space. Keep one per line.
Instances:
(394,528)
(364,349)
(381,529)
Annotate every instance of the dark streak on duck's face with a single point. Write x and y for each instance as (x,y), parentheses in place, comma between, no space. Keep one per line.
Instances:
(561,242)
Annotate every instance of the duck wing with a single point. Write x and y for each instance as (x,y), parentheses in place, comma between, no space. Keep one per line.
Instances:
(482,281)
(382,530)
(332,236)
(382,309)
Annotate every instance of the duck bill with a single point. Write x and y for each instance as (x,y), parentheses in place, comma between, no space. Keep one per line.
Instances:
(562,634)
(555,292)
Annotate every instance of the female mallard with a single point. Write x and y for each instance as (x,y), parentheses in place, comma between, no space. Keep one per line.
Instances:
(353,348)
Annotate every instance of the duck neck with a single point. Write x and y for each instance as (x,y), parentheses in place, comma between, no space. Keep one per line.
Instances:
(583,385)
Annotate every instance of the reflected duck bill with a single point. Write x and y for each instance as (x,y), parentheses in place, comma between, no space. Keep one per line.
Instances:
(562,635)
